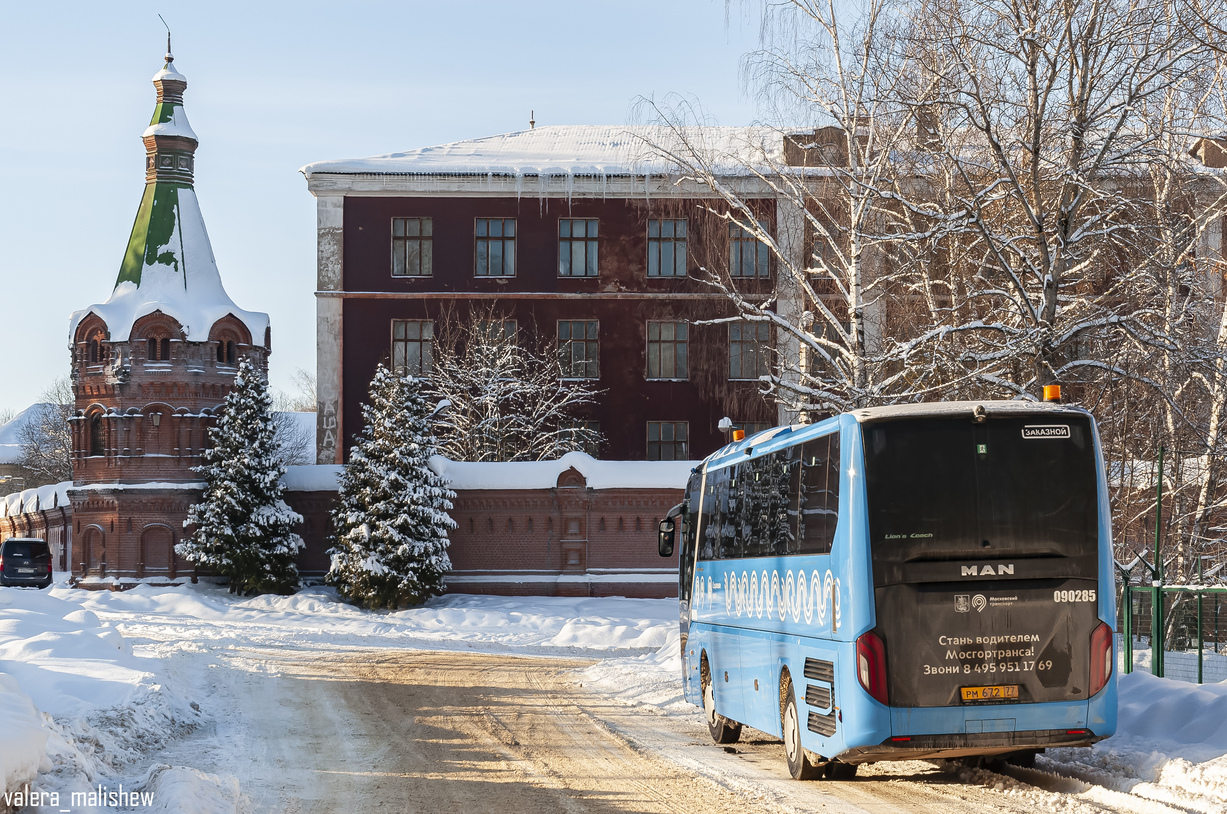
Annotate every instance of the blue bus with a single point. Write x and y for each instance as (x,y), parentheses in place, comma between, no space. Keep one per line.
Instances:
(894,583)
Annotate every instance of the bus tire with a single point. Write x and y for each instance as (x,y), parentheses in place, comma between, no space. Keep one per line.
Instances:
(722,729)
(799,764)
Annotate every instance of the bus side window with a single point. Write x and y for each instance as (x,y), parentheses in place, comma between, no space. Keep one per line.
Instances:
(756,502)
(712,515)
(728,502)
(772,500)
(818,495)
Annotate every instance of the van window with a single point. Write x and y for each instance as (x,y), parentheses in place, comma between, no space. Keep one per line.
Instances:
(25,548)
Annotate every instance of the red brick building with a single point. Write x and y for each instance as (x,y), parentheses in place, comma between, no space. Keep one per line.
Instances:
(582,238)
(150,365)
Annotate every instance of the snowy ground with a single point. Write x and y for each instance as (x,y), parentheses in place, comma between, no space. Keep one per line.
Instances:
(84,706)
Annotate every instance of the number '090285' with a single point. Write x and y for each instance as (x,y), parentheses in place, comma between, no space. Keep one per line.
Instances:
(1074,596)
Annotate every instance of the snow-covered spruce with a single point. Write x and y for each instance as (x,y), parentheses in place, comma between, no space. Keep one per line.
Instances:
(391,520)
(244,530)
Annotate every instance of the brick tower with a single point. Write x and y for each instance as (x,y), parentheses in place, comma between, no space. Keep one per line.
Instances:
(151,365)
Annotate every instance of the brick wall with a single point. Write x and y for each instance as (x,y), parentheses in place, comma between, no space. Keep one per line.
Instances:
(569,539)
(565,539)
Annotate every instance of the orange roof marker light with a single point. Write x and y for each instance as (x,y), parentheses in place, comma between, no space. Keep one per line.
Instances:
(739,435)
(1052,392)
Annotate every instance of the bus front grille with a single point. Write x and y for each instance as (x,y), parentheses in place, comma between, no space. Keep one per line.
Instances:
(818,670)
(822,724)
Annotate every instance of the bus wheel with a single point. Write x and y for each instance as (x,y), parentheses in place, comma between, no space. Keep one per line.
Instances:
(722,729)
(799,766)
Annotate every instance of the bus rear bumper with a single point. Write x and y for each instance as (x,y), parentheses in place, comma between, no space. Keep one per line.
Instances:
(920,747)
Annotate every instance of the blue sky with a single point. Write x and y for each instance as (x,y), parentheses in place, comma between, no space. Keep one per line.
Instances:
(273,86)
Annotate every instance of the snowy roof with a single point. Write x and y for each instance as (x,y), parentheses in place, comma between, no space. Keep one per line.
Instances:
(544,474)
(10,433)
(169,264)
(595,150)
(175,125)
(464,475)
(175,273)
(42,498)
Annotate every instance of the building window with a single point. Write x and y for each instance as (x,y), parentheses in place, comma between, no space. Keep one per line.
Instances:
(748,256)
(496,247)
(577,349)
(226,352)
(412,247)
(95,352)
(667,247)
(158,349)
(412,346)
(667,345)
(96,441)
(577,247)
(497,331)
(749,350)
(586,434)
(668,441)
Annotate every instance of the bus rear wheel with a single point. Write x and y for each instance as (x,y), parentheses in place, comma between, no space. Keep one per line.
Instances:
(799,764)
(722,729)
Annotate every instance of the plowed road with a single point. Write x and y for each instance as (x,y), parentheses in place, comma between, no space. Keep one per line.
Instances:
(307,730)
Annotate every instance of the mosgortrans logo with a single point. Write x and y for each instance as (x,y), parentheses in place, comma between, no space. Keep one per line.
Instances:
(1037,431)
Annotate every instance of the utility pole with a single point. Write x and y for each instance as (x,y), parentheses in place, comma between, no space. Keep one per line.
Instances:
(1156,606)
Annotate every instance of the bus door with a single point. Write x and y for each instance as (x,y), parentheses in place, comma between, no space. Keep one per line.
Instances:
(984,544)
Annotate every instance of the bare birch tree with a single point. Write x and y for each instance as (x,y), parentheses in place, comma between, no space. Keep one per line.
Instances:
(848,249)
(46,440)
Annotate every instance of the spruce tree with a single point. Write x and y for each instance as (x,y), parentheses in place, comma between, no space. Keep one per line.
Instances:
(391,519)
(243,528)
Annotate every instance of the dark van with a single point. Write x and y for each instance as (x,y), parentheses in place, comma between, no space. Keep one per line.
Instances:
(25,561)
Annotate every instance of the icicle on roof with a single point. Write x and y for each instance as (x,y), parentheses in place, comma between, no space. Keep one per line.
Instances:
(169,264)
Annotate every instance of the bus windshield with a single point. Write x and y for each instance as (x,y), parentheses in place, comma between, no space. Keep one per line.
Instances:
(944,488)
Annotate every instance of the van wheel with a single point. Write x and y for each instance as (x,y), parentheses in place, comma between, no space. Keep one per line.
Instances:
(799,766)
(722,729)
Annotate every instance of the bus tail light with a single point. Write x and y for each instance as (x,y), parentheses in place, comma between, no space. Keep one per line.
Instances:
(871,665)
(1101,657)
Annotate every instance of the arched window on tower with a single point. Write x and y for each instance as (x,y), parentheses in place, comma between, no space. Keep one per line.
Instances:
(230,353)
(96,441)
(159,349)
(94,348)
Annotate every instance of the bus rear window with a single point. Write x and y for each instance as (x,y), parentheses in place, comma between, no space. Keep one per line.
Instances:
(948,488)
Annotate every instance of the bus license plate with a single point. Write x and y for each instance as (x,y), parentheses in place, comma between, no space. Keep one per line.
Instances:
(995,693)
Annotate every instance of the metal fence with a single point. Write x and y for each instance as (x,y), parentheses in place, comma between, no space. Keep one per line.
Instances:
(1193,638)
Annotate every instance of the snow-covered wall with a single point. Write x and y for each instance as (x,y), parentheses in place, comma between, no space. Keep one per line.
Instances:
(467,476)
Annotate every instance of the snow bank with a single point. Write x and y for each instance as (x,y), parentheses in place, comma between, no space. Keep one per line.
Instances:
(180,790)
(103,707)
(22,737)
(542,625)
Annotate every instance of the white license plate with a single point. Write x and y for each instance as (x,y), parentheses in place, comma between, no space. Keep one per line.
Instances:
(27,571)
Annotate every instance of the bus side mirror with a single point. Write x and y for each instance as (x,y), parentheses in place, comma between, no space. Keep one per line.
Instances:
(664,537)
